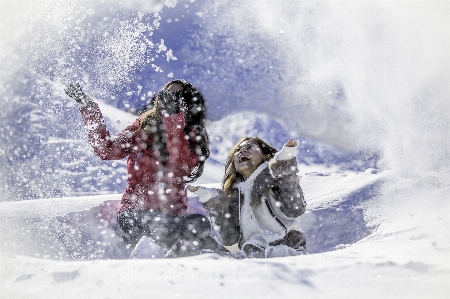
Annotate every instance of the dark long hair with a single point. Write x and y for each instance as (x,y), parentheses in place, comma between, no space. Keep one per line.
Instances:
(231,176)
(194,114)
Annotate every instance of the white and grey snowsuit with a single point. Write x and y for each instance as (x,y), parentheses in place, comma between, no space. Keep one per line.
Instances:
(261,214)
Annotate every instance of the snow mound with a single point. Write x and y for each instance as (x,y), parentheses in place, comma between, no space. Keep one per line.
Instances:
(366,232)
(85,228)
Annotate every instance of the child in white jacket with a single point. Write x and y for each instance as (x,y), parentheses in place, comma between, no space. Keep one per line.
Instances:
(258,208)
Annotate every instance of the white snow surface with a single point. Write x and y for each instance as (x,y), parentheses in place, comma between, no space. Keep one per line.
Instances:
(370,234)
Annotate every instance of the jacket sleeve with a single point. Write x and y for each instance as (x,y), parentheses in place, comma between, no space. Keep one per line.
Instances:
(212,200)
(177,142)
(105,146)
(224,211)
(283,167)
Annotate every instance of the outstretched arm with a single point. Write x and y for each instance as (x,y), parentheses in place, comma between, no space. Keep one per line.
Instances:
(106,147)
(213,200)
(283,167)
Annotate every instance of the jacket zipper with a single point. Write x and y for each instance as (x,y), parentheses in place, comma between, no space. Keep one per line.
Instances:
(275,216)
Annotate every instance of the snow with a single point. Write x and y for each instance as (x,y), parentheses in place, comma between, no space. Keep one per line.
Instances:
(404,255)
(374,74)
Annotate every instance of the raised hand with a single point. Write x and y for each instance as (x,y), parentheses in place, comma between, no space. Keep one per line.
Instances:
(76,93)
(291,143)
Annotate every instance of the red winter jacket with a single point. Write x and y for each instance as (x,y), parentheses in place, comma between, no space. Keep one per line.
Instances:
(150,186)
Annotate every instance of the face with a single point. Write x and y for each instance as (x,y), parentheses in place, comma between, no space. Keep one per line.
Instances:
(248,157)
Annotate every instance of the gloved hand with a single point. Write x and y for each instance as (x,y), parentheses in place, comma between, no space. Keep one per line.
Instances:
(172,102)
(76,93)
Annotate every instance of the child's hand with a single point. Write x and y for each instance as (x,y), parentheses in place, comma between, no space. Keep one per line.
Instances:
(192,188)
(291,143)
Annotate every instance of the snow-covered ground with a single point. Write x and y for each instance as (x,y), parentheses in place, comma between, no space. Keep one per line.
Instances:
(370,235)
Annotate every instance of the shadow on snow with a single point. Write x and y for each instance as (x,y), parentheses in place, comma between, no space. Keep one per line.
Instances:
(340,224)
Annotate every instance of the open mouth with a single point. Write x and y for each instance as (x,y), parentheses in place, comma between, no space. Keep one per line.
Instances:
(244,158)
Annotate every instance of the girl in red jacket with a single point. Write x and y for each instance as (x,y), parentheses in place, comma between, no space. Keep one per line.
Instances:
(166,147)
